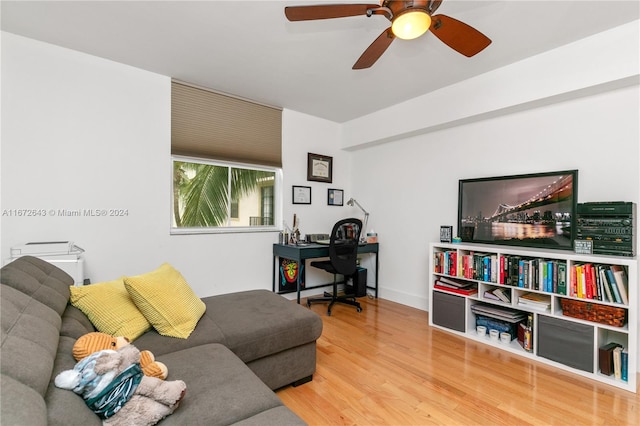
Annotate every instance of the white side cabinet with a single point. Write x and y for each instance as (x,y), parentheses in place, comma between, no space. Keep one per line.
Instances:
(557,280)
(63,254)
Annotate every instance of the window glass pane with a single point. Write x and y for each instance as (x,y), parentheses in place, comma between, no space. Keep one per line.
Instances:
(235,209)
(246,187)
(210,195)
(267,205)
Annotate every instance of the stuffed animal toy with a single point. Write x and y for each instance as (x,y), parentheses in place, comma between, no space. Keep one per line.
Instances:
(114,387)
(96,341)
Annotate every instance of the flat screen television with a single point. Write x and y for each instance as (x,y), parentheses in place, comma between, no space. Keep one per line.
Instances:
(531,210)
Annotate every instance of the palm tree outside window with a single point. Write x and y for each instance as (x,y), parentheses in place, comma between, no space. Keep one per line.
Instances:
(217,195)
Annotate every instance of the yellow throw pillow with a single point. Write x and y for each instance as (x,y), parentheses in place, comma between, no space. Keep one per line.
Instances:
(110,308)
(166,300)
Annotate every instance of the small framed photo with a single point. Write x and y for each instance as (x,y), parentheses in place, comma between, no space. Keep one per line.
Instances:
(319,168)
(335,197)
(446,234)
(301,195)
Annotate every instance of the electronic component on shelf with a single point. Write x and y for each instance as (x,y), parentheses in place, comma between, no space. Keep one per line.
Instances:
(313,238)
(611,225)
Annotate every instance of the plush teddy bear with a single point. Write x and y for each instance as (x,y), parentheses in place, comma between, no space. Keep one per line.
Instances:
(96,341)
(114,387)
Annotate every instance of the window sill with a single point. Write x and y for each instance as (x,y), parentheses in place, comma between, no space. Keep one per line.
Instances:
(229,230)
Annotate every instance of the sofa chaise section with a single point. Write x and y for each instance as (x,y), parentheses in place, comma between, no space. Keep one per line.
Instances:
(252,325)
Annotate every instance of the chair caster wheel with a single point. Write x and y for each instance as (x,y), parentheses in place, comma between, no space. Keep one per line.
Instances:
(359,309)
(328,313)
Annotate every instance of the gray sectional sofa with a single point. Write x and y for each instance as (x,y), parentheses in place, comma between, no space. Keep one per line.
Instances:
(245,346)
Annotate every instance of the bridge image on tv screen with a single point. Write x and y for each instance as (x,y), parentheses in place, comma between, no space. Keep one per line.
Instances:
(534,210)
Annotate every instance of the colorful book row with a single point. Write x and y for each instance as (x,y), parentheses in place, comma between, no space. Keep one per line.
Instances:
(517,271)
(607,283)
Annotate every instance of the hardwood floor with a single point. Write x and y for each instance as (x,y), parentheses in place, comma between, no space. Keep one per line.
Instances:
(385,365)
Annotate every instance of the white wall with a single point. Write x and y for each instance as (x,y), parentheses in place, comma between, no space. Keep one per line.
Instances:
(80,132)
(303,134)
(418,176)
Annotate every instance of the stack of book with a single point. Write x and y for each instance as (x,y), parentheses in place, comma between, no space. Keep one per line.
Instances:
(456,286)
(535,301)
(499,294)
(497,312)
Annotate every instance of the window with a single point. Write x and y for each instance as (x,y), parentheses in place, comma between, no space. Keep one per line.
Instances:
(214,196)
(227,159)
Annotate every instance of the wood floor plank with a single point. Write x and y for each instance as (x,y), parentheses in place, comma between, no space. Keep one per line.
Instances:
(386,366)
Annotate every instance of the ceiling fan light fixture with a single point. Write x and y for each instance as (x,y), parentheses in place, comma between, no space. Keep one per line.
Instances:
(411,23)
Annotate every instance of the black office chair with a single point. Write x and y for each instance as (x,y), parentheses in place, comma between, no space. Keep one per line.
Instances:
(343,256)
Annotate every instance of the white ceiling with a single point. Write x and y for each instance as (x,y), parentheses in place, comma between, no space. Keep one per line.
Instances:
(249,49)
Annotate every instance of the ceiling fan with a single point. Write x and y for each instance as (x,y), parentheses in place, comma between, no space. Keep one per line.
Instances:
(409,20)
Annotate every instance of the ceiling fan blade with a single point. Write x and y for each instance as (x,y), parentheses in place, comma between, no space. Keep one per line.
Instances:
(458,35)
(326,11)
(375,50)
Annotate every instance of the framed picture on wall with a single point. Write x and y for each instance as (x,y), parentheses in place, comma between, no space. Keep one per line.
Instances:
(335,197)
(301,195)
(319,168)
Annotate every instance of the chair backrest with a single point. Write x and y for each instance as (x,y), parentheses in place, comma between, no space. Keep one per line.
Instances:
(343,245)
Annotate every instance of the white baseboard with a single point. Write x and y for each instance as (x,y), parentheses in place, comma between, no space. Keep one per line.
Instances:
(415,301)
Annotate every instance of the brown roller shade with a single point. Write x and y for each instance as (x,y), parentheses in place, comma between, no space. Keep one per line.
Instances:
(213,125)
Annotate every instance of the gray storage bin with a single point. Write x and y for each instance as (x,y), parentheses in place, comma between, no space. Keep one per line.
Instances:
(448,311)
(566,342)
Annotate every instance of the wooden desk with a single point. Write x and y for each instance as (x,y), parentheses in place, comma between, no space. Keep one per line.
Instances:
(313,251)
